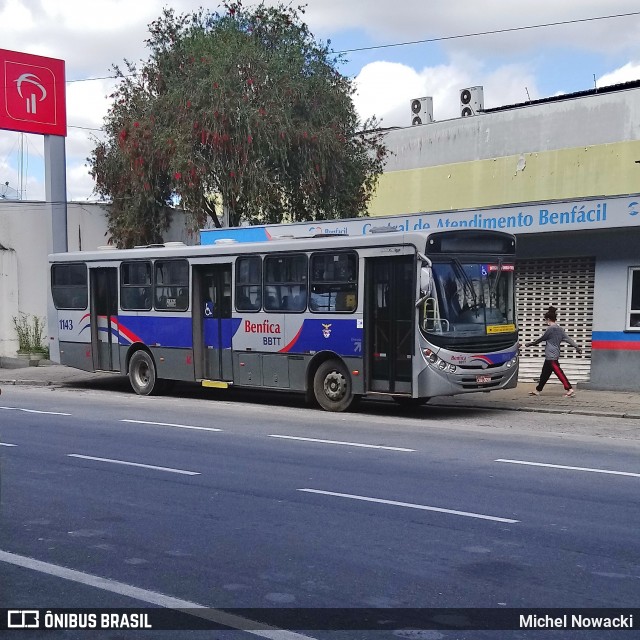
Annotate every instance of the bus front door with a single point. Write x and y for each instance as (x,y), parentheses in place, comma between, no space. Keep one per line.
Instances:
(104,319)
(389,327)
(215,308)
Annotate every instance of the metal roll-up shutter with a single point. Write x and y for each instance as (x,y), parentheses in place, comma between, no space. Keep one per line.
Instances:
(567,284)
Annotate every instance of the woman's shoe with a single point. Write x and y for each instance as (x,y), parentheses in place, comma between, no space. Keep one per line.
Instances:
(570,393)
(534,393)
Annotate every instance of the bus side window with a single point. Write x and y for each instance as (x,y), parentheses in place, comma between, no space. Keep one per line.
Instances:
(286,282)
(248,284)
(334,283)
(135,285)
(69,286)
(171,277)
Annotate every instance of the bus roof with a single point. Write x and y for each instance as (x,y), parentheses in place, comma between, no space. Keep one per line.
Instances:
(275,245)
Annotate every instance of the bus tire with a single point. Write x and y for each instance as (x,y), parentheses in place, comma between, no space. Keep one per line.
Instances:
(142,374)
(332,386)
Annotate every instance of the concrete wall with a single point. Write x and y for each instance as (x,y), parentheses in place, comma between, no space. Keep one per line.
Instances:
(8,299)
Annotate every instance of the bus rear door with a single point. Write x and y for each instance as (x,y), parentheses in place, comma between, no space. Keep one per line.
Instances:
(104,319)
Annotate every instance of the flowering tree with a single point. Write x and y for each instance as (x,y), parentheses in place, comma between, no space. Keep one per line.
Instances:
(240,112)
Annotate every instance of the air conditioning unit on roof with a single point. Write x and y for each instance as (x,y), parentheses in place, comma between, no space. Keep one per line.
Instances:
(421,110)
(471,101)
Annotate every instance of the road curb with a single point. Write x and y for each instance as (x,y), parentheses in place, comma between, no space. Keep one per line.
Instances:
(550,410)
(28,383)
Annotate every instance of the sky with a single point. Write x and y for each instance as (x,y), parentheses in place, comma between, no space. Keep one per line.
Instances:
(517,61)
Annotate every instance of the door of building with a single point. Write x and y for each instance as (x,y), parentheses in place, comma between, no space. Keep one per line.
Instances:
(568,285)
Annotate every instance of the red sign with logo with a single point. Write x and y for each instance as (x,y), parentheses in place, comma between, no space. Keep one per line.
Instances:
(33,94)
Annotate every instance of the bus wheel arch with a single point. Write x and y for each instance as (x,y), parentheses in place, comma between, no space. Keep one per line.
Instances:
(329,383)
(142,371)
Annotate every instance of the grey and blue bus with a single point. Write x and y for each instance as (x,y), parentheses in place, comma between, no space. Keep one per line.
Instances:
(404,315)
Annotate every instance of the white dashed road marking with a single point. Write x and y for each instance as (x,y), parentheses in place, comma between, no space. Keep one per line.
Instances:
(134,464)
(169,424)
(561,466)
(410,505)
(49,413)
(346,444)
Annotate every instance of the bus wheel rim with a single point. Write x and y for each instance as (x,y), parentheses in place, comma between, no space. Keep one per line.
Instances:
(143,375)
(335,386)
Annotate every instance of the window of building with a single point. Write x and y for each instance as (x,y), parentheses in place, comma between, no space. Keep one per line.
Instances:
(135,286)
(171,285)
(633,316)
(249,283)
(285,283)
(69,286)
(334,282)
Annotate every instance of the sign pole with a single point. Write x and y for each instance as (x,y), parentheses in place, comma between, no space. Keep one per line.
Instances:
(56,190)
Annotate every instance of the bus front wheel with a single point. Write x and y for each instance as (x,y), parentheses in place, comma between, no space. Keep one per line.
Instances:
(142,374)
(332,386)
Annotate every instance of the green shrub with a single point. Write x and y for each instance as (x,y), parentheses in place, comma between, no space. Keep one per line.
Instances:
(23,330)
(30,330)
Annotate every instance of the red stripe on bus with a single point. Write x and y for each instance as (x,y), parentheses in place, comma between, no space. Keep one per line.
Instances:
(295,339)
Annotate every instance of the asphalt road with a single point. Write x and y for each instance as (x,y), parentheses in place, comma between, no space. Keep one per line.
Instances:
(238,503)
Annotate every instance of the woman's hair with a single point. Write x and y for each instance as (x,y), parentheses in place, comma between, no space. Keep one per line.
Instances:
(551,314)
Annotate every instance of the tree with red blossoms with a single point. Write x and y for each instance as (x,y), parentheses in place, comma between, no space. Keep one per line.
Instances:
(240,112)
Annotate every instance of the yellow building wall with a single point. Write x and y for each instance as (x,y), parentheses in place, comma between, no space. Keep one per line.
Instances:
(601,170)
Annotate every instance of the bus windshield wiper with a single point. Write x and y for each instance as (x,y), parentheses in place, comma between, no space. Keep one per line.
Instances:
(465,280)
(493,286)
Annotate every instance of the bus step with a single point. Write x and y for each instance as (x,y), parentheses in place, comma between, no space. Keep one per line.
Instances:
(215,384)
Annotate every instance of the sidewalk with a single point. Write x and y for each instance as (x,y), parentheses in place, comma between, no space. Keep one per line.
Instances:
(605,404)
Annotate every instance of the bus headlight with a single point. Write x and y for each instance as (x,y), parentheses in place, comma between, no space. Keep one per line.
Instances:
(442,365)
(430,356)
(452,368)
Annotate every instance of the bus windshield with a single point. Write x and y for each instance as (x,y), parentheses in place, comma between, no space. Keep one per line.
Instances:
(470,299)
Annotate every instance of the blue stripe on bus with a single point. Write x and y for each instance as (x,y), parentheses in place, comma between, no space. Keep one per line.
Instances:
(165,331)
(211,336)
(339,335)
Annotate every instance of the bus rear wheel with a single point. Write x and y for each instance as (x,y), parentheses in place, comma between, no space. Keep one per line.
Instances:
(332,386)
(142,374)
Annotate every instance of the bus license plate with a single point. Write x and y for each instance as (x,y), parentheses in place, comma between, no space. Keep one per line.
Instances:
(483,379)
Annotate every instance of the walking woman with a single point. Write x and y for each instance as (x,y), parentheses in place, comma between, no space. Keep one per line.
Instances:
(553,337)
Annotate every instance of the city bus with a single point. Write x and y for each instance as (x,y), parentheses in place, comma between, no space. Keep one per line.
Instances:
(404,315)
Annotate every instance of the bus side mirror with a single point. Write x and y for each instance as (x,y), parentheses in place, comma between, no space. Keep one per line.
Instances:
(426,281)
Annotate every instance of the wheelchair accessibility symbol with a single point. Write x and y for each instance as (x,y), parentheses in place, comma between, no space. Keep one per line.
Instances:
(208,309)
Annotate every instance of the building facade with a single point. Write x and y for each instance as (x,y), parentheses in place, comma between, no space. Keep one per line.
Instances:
(565,160)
